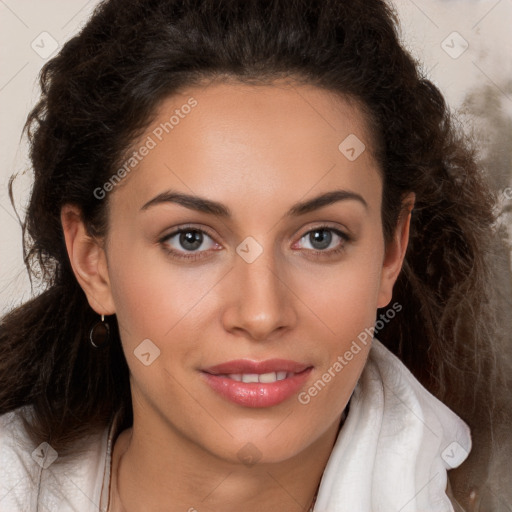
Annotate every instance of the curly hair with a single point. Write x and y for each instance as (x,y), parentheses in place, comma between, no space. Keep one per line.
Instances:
(103,89)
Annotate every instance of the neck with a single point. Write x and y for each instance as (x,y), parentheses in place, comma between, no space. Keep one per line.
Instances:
(148,475)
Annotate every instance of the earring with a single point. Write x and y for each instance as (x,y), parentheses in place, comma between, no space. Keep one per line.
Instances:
(99,335)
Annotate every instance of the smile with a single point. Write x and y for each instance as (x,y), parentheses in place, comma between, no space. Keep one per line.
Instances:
(257,384)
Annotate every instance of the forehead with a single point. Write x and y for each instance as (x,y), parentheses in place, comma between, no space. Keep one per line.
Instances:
(252,142)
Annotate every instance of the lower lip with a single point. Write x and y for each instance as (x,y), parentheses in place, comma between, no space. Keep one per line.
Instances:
(257,394)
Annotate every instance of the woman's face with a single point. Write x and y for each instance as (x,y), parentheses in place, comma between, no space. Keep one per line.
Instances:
(267,268)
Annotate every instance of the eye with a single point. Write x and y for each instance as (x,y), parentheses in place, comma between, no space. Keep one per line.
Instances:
(188,240)
(325,240)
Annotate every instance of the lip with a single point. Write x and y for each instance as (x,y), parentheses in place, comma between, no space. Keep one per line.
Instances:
(256,394)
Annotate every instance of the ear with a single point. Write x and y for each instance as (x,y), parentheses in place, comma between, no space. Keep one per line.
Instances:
(395,252)
(88,260)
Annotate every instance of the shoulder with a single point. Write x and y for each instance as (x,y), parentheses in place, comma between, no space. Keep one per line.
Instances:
(36,477)
(474,481)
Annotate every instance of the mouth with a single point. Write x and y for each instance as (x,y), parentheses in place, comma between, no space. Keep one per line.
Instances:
(257,383)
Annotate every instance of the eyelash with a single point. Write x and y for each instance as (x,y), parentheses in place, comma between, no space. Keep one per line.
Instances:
(196,255)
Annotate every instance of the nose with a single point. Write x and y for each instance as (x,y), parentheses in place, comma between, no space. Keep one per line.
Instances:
(260,300)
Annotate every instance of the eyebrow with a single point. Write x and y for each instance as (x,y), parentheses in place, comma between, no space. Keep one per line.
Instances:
(218,209)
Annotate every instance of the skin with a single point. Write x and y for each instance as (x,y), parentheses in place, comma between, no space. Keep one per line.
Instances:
(258,150)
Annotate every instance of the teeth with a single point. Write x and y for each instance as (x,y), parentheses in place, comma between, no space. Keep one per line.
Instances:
(264,378)
(250,377)
(268,377)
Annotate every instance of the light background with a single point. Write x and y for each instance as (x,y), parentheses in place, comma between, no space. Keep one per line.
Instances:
(464,45)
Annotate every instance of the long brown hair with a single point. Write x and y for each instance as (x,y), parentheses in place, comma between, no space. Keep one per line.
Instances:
(101,91)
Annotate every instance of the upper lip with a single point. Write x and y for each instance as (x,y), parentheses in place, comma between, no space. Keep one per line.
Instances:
(257,367)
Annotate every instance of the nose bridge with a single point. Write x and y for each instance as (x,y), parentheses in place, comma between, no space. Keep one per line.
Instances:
(260,278)
(262,300)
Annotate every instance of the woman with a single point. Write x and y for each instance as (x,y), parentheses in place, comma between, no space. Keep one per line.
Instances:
(230,200)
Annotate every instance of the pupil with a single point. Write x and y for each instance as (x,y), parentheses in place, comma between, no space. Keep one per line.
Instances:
(321,237)
(191,240)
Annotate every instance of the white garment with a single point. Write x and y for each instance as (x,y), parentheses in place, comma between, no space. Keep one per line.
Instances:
(391,455)
(395,447)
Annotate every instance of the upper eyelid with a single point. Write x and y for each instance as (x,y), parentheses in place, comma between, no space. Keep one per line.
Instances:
(185,228)
(327,227)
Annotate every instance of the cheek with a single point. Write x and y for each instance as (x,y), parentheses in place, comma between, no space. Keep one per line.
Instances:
(345,302)
(344,296)
(154,297)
